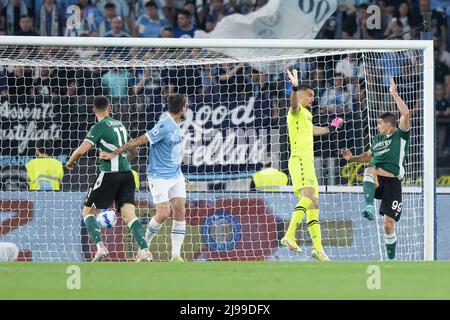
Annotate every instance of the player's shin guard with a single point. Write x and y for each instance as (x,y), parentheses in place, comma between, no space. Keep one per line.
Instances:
(298,215)
(313,224)
(177,236)
(92,228)
(138,233)
(369,188)
(391,243)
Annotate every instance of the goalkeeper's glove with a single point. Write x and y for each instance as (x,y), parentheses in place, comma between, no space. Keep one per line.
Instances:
(335,124)
(293,79)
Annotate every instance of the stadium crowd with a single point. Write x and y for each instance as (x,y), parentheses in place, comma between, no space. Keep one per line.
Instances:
(339,80)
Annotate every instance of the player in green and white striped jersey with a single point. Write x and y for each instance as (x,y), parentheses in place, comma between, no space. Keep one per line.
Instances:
(382,177)
(115,183)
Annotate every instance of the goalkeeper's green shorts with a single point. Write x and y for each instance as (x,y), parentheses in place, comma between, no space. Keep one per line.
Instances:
(303,175)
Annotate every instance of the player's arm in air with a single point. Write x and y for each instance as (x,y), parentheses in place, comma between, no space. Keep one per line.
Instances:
(363,157)
(78,153)
(405,119)
(293,79)
(129,147)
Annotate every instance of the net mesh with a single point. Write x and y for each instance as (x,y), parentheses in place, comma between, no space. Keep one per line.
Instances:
(236,126)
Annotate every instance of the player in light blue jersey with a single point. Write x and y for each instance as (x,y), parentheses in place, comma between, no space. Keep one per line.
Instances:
(166,181)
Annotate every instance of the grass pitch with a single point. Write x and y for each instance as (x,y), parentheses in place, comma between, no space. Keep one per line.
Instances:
(226,280)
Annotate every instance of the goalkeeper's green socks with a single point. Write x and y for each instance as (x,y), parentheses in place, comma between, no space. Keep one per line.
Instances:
(391,243)
(93,229)
(313,224)
(137,230)
(297,216)
(369,188)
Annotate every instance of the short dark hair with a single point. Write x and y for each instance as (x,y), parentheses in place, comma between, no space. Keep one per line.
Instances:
(305,86)
(176,102)
(151,4)
(389,117)
(101,103)
(185,13)
(109,5)
(43,146)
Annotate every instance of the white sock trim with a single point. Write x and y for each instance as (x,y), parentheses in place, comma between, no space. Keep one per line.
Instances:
(368,177)
(130,223)
(390,238)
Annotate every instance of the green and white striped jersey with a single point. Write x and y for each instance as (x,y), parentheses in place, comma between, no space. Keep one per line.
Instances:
(389,152)
(108,135)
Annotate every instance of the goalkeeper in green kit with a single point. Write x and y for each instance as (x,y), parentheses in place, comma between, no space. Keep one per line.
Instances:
(382,178)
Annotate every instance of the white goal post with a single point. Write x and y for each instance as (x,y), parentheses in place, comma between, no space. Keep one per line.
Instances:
(282,50)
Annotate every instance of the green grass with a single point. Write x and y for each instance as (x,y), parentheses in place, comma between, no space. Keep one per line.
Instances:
(226,280)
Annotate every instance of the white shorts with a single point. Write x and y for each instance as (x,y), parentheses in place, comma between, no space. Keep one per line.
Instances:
(165,189)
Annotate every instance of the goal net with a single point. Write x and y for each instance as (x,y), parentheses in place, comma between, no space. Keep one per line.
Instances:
(236,126)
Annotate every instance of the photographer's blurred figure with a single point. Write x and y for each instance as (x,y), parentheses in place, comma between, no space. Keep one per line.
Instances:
(44,172)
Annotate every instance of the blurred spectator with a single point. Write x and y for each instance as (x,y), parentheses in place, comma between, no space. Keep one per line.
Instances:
(391,64)
(110,13)
(50,20)
(350,66)
(441,73)
(210,79)
(3,84)
(192,8)
(184,80)
(117,29)
(438,23)
(72,88)
(121,6)
(117,82)
(184,29)
(11,13)
(44,172)
(444,56)
(92,18)
(337,99)
(167,32)
(403,14)
(319,82)
(217,11)
(149,24)
(231,78)
(395,30)
(46,82)
(147,81)
(442,107)
(26,27)
(20,81)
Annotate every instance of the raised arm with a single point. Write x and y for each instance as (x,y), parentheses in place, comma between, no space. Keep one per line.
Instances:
(130,145)
(78,153)
(293,79)
(405,122)
(363,157)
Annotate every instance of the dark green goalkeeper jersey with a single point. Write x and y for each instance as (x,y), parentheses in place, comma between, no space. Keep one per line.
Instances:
(389,152)
(108,135)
